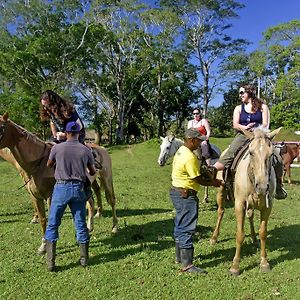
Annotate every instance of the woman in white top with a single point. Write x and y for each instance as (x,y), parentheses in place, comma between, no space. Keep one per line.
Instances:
(203,126)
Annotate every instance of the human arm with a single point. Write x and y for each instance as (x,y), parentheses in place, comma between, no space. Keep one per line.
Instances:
(265,116)
(92,169)
(214,182)
(51,159)
(207,128)
(53,129)
(190,124)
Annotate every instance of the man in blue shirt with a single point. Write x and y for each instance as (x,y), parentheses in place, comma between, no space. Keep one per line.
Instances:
(71,160)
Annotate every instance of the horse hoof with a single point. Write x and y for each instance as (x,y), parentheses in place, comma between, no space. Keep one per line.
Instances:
(265,268)
(213,242)
(34,221)
(98,215)
(114,229)
(41,252)
(234,272)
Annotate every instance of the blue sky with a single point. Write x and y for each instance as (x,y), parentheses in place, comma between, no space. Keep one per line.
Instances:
(255,18)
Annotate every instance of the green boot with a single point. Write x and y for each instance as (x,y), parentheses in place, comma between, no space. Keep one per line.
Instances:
(187,256)
(50,255)
(84,254)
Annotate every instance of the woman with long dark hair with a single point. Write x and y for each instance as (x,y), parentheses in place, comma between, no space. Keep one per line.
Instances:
(59,112)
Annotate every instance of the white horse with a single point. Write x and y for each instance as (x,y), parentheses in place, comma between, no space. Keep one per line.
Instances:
(170,144)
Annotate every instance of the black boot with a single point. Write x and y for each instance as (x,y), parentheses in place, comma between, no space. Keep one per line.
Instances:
(187,261)
(177,253)
(84,254)
(280,191)
(278,168)
(50,255)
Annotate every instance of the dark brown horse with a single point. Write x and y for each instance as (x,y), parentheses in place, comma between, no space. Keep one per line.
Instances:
(32,154)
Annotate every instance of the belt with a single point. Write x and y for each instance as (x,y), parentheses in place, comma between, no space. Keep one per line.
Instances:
(184,192)
(70,181)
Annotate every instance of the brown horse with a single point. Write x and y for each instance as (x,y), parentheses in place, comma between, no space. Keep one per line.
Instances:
(289,152)
(32,154)
(254,188)
(6,155)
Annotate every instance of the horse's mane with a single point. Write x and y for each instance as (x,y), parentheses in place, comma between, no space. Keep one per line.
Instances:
(28,134)
(260,132)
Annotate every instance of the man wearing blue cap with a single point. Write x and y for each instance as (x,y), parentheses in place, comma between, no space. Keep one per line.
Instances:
(71,159)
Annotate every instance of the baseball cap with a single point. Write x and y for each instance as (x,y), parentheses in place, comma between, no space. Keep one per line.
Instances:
(72,127)
(193,133)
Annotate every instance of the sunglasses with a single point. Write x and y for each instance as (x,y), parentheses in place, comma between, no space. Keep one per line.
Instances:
(196,113)
(242,92)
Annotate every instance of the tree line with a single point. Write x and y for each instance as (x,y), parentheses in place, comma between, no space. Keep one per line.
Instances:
(138,69)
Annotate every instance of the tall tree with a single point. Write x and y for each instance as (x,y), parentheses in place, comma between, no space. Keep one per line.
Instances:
(205,24)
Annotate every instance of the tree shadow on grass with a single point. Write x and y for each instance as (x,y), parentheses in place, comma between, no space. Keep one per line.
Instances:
(135,212)
(285,239)
(154,236)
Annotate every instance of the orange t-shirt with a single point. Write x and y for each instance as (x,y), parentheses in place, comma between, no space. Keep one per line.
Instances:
(202,130)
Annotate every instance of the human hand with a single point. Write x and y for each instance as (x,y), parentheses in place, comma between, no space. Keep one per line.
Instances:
(250,125)
(216,182)
(60,136)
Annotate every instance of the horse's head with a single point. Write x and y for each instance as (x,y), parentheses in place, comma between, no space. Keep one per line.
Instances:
(166,149)
(3,122)
(260,165)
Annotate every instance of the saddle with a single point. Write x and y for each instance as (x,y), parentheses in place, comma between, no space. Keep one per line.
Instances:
(228,174)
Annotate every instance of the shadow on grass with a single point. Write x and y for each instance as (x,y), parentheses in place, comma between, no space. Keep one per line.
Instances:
(135,212)
(285,239)
(16,213)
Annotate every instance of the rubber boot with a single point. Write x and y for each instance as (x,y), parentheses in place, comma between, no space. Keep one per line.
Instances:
(177,253)
(50,255)
(84,254)
(278,168)
(187,256)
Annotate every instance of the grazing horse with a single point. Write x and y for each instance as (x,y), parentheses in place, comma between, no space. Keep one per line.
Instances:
(170,144)
(289,152)
(32,154)
(254,188)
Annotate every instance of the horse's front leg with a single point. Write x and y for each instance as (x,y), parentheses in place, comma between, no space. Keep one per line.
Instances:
(205,199)
(40,209)
(221,196)
(264,265)
(97,190)
(91,208)
(240,236)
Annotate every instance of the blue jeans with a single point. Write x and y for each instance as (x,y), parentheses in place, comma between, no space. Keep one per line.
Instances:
(185,219)
(71,194)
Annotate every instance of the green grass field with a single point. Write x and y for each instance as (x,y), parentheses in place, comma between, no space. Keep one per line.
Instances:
(138,262)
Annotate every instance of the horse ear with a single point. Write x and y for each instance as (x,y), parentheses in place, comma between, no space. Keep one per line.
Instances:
(5,116)
(249,135)
(272,134)
(161,138)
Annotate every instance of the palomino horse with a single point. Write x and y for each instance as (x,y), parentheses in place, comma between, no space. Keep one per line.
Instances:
(168,148)
(32,154)
(254,188)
